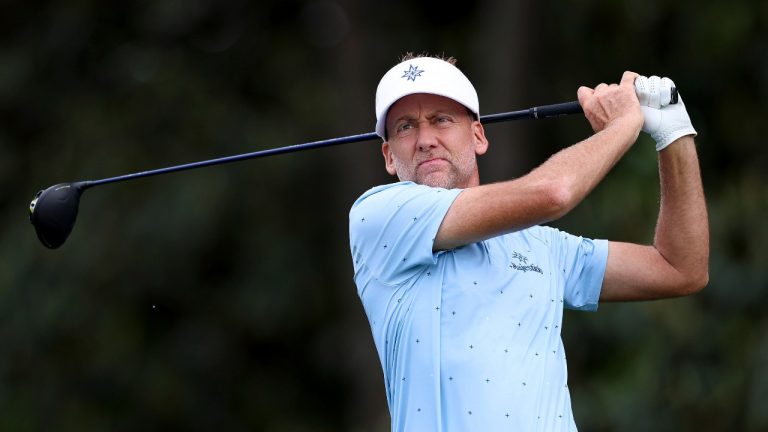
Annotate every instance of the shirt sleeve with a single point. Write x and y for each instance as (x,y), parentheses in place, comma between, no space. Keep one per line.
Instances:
(582,263)
(392,229)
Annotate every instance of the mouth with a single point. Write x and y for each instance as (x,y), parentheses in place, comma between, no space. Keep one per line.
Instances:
(431,162)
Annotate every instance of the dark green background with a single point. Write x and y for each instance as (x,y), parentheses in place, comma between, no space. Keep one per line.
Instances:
(222,299)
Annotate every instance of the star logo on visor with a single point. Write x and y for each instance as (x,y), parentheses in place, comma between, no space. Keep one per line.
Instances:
(412,73)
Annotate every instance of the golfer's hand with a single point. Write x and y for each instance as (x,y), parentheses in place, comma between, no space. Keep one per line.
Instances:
(664,122)
(609,104)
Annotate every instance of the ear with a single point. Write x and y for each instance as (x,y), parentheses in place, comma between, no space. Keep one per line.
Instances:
(478,134)
(389,162)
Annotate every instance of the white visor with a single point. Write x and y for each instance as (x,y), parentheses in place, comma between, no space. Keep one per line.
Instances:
(422,75)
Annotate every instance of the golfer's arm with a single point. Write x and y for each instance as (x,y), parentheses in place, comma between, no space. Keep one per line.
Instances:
(677,263)
(546,193)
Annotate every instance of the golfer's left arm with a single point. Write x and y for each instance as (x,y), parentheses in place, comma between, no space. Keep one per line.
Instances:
(677,263)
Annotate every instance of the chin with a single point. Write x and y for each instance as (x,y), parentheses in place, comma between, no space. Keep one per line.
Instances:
(437,180)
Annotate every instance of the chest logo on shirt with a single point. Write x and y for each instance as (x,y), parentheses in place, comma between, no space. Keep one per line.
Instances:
(520,263)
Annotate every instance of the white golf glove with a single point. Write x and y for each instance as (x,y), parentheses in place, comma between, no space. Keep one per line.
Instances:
(664,121)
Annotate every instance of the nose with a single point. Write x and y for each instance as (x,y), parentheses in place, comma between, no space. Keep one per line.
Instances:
(426,138)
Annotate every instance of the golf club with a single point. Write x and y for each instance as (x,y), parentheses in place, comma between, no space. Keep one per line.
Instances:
(53,210)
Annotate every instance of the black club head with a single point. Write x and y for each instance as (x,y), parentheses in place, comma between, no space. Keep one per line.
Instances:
(53,212)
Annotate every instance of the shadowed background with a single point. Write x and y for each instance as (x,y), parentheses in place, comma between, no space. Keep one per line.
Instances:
(222,298)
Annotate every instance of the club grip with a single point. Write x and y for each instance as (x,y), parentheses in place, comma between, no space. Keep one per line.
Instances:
(673,96)
(565,108)
(556,110)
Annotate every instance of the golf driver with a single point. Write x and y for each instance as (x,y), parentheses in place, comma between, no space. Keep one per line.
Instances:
(53,210)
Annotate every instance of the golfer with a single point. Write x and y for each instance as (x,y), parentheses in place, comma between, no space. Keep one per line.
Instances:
(464,289)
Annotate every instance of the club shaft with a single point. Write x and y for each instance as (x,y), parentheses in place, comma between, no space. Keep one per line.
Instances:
(544,111)
(237,158)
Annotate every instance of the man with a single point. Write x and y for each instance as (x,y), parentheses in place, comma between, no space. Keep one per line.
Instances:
(464,290)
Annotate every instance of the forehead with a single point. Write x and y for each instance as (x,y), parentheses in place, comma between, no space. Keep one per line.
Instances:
(423,104)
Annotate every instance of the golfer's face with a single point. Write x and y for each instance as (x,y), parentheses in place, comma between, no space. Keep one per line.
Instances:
(433,140)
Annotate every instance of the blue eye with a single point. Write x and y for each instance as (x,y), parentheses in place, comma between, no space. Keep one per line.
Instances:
(405,127)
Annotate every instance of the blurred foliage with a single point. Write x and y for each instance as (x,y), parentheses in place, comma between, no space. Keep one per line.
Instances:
(223,298)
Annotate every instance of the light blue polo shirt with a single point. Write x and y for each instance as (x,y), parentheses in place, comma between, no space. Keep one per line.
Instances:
(469,339)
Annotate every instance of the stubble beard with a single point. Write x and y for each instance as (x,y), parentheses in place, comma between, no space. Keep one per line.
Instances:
(456,175)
